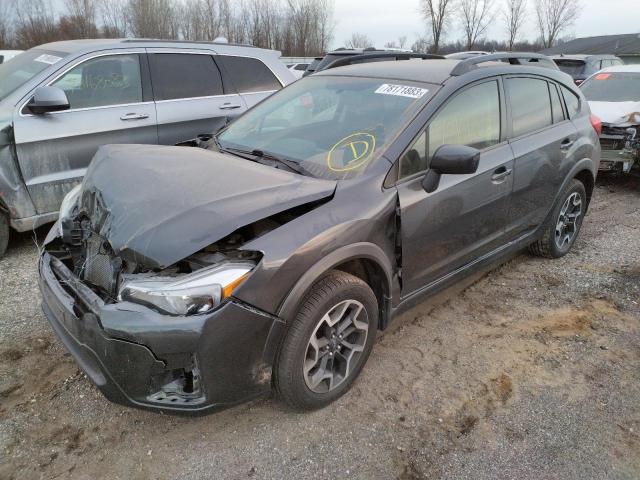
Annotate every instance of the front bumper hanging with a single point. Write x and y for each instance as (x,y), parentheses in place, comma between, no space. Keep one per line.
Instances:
(141,358)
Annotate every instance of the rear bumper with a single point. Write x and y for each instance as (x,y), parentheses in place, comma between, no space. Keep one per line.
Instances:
(140,358)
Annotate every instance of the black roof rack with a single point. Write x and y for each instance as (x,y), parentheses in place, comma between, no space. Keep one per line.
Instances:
(366,57)
(514,58)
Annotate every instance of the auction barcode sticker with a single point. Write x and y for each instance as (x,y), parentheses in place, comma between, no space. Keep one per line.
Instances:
(401,90)
(48,59)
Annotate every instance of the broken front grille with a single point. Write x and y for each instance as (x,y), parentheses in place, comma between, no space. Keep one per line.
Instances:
(101,267)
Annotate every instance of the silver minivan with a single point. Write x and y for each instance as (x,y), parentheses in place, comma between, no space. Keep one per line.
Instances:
(59,102)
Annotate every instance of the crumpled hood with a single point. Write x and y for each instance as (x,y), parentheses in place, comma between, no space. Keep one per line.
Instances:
(617,114)
(157,205)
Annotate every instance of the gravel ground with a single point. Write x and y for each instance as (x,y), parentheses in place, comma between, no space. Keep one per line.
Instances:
(531,371)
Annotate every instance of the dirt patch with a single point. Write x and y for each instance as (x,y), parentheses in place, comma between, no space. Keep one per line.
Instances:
(530,371)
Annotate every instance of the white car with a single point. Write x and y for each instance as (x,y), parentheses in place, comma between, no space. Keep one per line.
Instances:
(297,69)
(614,97)
(6,55)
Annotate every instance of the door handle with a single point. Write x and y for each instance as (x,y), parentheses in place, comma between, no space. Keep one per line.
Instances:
(229,106)
(501,174)
(567,144)
(134,116)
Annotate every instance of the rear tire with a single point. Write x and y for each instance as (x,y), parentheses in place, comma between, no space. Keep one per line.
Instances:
(4,233)
(327,343)
(563,226)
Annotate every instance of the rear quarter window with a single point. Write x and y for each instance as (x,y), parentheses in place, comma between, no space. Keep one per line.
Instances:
(572,102)
(249,74)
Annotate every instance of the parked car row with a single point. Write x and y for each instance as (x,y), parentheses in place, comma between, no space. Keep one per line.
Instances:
(192,279)
(59,102)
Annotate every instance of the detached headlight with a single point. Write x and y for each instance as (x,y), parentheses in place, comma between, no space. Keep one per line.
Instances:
(191,294)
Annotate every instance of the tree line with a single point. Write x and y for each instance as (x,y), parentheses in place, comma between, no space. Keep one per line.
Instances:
(295,27)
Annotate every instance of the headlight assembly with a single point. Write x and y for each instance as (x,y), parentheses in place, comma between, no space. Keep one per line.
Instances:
(190,294)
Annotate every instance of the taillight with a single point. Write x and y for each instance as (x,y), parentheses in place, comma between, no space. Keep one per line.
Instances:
(596,123)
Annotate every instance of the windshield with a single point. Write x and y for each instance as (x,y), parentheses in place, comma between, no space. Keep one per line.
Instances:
(571,67)
(333,127)
(24,67)
(613,87)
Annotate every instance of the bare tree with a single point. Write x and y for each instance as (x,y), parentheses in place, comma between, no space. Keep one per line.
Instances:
(6,23)
(402,41)
(421,45)
(437,14)
(514,15)
(114,21)
(554,17)
(475,16)
(80,19)
(35,23)
(359,40)
(152,18)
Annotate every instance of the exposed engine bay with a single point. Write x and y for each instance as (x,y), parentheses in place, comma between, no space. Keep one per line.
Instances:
(620,148)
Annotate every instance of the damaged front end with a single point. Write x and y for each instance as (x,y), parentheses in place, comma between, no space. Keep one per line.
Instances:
(142,292)
(620,148)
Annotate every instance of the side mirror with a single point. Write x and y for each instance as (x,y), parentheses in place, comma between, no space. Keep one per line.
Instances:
(48,99)
(451,160)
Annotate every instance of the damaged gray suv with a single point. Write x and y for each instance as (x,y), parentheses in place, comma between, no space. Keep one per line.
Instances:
(193,279)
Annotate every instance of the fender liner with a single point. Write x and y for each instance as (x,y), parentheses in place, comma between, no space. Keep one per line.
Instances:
(361,250)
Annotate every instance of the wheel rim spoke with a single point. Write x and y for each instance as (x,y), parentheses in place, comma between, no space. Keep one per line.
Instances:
(568,221)
(335,346)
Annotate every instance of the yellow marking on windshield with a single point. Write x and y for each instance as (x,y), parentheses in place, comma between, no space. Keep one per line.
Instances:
(357,149)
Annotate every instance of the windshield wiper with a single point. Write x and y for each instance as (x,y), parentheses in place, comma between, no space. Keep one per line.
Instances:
(291,165)
(254,154)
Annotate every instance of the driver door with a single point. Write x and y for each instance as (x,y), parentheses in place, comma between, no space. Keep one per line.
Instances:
(110,102)
(466,216)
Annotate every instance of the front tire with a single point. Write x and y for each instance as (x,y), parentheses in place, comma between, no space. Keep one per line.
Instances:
(4,233)
(327,343)
(562,228)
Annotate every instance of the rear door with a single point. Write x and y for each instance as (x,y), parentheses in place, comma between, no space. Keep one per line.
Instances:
(465,217)
(542,138)
(251,77)
(191,98)
(110,99)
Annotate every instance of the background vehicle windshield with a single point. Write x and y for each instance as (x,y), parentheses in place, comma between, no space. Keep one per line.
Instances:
(332,126)
(24,67)
(571,67)
(613,87)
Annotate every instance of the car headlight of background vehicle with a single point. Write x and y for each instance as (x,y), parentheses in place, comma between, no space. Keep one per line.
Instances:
(190,294)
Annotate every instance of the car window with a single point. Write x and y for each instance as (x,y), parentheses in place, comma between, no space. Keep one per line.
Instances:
(183,75)
(572,101)
(249,74)
(103,81)
(571,67)
(334,127)
(301,67)
(613,87)
(471,118)
(530,104)
(556,104)
(24,67)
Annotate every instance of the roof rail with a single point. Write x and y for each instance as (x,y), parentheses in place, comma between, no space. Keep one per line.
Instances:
(186,42)
(514,58)
(366,57)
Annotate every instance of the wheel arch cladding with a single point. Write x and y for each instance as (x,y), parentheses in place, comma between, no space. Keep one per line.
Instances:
(366,261)
(586,177)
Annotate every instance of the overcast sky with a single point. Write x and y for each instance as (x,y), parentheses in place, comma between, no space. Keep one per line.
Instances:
(386,20)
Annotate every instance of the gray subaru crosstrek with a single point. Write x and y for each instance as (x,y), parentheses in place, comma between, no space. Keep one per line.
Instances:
(60,101)
(192,279)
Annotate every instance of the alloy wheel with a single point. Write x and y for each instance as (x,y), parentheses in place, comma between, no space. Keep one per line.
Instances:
(568,220)
(335,346)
